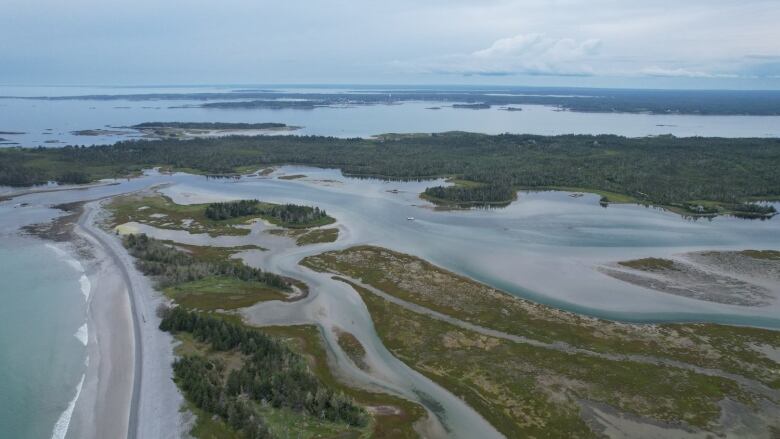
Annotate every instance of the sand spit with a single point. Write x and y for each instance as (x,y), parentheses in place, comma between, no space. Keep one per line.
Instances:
(132,377)
(720,277)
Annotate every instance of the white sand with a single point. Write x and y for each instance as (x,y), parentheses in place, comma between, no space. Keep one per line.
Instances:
(128,391)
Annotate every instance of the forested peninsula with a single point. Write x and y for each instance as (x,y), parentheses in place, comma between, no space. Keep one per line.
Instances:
(693,175)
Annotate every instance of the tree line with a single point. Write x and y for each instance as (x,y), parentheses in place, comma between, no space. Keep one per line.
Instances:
(476,195)
(271,374)
(656,170)
(285,214)
(170,266)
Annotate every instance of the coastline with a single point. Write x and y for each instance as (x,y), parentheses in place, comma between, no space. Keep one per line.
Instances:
(129,376)
(103,408)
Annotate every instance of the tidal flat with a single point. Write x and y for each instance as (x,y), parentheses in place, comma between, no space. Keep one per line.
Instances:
(679,376)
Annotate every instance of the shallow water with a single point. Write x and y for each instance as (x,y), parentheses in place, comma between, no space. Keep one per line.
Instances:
(50,123)
(42,358)
(545,246)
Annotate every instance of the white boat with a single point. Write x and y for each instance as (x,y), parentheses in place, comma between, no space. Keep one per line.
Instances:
(411,218)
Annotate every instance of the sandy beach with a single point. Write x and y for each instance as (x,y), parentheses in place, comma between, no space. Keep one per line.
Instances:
(103,408)
(128,390)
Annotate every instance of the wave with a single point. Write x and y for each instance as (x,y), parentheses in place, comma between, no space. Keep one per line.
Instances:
(61,427)
(74,263)
(86,286)
(82,334)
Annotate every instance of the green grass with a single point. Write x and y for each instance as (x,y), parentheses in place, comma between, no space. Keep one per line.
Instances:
(307,237)
(219,292)
(284,423)
(318,236)
(528,391)
(292,177)
(207,427)
(189,217)
(424,284)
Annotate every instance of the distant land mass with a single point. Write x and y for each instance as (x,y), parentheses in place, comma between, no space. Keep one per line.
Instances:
(594,100)
(210,125)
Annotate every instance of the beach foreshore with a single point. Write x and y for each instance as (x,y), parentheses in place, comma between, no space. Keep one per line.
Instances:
(129,390)
(103,407)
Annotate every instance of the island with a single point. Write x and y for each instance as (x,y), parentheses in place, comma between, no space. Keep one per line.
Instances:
(190,130)
(579,99)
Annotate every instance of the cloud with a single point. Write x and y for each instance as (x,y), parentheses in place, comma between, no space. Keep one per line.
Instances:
(681,73)
(529,54)
(539,48)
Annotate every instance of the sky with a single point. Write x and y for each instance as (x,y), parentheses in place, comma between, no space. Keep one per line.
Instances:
(602,43)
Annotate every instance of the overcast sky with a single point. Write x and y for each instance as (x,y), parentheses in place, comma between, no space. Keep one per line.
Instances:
(654,43)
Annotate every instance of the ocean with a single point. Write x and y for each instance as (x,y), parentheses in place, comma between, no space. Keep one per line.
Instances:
(43,336)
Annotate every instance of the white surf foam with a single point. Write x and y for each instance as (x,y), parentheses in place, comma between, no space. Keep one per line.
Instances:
(61,427)
(86,286)
(82,334)
(64,255)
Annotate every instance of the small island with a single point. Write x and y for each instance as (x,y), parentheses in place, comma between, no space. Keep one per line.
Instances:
(189,130)
(477,106)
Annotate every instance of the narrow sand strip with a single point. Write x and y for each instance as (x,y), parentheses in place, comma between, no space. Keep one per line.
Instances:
(103,409)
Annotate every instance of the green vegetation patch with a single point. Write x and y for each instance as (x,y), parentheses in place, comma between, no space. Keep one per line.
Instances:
(660,170)
(772,255)
(393,417)
(353,348)
(221,292)
(649,264)
(161,212)
(318,236)
(254,383)
(203,282)
(417,281)
(307,237)
(528,391)
(292,177)
(285,215)
(471,195)
(229,218)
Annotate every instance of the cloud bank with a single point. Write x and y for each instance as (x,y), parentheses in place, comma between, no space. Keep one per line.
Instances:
(375,41)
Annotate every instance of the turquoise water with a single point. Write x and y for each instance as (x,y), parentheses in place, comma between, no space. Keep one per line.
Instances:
(41,359)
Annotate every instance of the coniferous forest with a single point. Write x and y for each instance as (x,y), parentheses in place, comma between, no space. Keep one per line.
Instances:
(271,374)
(661,170)
(170,266)
(290,215)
